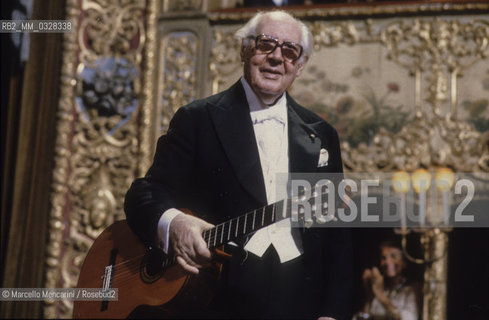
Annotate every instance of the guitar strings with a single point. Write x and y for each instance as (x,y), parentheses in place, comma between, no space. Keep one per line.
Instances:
(127,275)
(131,269)
(211,237)
(212,233)
(128,264)
(133,264)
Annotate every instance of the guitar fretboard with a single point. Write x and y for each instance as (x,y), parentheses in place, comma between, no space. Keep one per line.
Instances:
(247,223)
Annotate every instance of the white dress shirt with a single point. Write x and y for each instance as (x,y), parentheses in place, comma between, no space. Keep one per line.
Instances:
(270,126)
(273,148)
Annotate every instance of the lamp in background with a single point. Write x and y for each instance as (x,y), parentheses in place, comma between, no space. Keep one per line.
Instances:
(401,184)
(433,211)
(434,214)
(421,184)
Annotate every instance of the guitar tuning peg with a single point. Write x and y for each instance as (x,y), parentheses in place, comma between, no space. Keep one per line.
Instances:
(308,224)
(321,219)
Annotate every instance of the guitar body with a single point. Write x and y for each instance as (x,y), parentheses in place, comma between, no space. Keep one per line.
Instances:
(142,282)
(149,283)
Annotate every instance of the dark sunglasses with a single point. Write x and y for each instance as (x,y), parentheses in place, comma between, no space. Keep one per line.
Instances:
(291,51)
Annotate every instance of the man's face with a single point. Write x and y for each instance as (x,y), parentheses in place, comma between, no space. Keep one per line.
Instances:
(270,74)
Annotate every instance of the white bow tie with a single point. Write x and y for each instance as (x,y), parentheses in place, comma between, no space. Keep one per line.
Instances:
(267,114)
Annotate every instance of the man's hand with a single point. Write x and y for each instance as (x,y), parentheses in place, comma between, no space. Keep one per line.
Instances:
(187,243)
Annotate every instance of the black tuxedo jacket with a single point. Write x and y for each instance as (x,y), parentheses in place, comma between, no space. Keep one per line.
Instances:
(208,162)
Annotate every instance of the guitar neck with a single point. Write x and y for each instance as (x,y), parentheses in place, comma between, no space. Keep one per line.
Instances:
(247,223)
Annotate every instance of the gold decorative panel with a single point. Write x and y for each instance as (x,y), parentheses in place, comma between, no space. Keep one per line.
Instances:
(178,72)
(97,144)
(438,49)
(182,5)
(111,28)
(225,65)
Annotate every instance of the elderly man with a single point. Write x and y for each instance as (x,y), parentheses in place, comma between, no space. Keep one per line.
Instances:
(220,158)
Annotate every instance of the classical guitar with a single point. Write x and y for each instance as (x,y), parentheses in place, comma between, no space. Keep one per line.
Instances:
(147,277)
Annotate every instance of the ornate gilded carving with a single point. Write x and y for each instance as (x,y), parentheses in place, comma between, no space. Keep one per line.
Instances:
(181,5)
(97,143)
(434,141)
(484,151)
(101,203)
(330,34)
(441,48)
(225,57)
(435,243)
(111,28)
(102,169)
(359,11)
(146,143)
(61,172)
(179,74)
(437,51)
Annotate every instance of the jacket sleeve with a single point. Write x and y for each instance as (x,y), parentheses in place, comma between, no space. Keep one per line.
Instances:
(166,180)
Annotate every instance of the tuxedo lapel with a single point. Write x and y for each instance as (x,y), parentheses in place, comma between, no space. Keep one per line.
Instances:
(232,122)
(304,142)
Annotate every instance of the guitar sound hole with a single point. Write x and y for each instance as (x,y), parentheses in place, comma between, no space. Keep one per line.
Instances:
(151,266)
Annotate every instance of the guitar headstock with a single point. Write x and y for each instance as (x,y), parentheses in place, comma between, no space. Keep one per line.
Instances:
(318,204)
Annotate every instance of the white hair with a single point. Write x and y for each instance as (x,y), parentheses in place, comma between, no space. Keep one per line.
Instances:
(249,29)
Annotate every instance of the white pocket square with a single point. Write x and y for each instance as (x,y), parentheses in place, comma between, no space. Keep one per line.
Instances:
(323,158)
